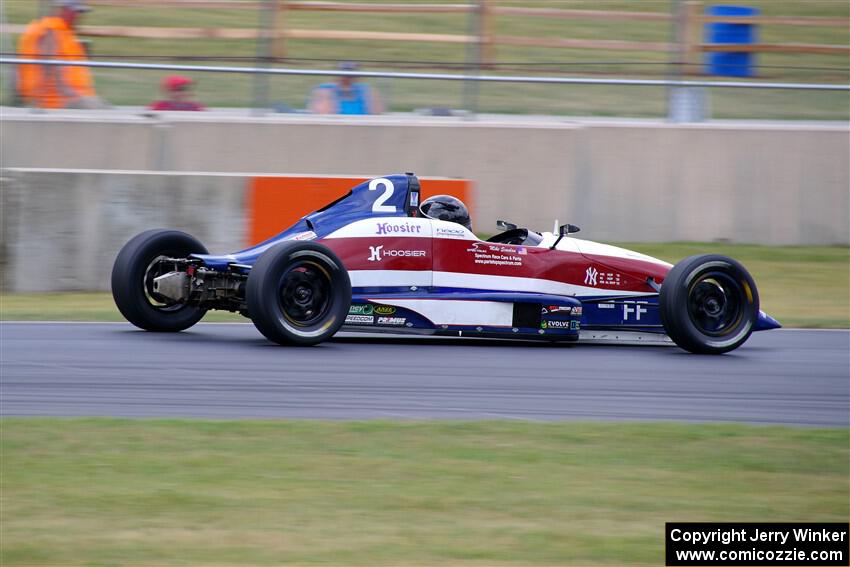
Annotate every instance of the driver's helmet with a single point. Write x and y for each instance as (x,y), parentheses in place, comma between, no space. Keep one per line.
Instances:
(447,208)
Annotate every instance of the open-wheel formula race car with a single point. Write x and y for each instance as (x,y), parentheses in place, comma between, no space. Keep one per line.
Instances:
(372,261)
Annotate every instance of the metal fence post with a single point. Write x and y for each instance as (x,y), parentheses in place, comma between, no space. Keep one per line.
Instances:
(279,27)
(474,54)
(485,32)
(7,72)
(684,103)
(265,29)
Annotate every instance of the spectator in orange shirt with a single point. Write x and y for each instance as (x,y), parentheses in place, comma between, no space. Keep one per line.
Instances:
(178,92)
(53,37)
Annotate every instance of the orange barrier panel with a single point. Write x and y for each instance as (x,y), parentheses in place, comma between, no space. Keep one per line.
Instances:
(276,203)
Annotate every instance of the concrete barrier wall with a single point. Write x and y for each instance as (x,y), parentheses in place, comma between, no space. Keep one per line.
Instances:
(771,183)
(764,186)
(62,230)
(70,141)
(625,181)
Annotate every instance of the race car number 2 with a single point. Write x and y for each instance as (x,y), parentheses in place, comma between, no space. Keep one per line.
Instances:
(378,206)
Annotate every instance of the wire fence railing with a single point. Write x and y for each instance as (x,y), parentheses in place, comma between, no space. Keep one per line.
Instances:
(431,76)
(428,64)
(686,100)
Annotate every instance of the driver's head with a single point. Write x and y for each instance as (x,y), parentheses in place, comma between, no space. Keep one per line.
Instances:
(447,208)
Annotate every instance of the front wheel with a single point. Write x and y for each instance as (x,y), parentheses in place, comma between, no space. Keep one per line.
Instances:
(709,304)
(298,293)
(133,274)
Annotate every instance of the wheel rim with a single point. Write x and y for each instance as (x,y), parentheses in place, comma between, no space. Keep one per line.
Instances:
(716,303)
(159,302)
(305,293)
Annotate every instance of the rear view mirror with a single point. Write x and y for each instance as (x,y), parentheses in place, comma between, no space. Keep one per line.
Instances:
(566,229)
(563,231)
(505,225)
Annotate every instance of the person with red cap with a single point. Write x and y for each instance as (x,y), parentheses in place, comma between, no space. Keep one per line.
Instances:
(54,37)
(177,90)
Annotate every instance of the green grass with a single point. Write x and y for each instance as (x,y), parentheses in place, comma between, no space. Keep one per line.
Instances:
(123,492)
(75,306)
(137,87)
(802,286)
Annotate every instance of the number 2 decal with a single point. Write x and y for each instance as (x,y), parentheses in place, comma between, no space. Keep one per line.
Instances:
(378,206)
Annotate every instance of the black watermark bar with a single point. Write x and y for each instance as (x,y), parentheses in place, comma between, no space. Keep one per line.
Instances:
(694,544)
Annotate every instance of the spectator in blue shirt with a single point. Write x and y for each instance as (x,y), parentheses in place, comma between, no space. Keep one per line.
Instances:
(345,96)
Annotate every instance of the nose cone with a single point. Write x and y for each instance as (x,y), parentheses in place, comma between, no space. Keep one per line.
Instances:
(765,322)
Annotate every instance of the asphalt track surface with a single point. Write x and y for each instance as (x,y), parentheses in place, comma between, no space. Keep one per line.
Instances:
(230,371)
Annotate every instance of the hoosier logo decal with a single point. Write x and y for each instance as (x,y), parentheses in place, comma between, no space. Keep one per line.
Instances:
(385,228)
(377,253)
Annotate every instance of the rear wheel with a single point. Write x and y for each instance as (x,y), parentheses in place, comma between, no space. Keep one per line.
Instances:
(134,271)
(298,293)
(709,304)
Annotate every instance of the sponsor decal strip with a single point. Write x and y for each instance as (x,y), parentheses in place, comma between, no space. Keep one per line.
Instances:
(378,253)
(594,277)
(394,228)
(361,309)
(559,324)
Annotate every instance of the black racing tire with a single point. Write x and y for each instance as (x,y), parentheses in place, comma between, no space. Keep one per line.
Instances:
(709,304)
(298,293)
(132,281)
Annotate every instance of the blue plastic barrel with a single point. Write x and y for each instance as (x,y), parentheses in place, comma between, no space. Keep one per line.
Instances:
(731,64)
